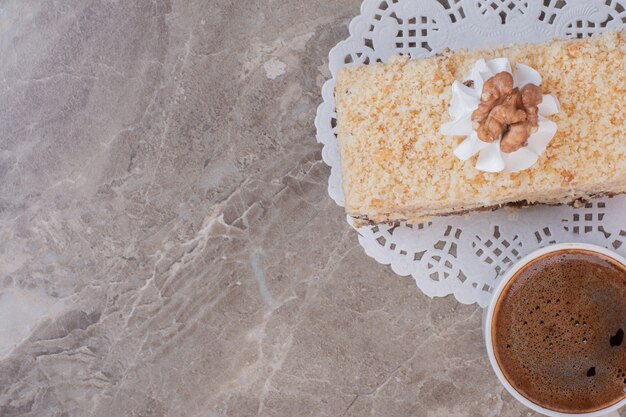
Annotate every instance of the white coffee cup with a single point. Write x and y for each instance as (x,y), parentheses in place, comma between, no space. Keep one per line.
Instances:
(610,411)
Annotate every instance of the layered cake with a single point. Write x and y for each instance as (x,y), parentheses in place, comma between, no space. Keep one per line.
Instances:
(398,164)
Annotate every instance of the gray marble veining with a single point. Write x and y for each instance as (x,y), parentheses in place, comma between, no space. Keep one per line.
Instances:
(167,245)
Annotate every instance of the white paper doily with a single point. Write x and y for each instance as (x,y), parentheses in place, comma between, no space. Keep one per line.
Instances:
(464,255)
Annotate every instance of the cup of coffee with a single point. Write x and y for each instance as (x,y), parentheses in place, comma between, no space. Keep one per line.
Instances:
(555,331)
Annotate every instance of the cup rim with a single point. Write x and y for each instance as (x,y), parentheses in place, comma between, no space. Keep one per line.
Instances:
(489,318)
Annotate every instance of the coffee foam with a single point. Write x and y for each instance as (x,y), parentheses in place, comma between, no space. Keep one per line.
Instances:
(556,339)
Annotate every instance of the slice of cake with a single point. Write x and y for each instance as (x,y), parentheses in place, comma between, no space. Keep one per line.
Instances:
(397,166)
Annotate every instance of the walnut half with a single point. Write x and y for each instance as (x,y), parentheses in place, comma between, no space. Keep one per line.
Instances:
(507,113)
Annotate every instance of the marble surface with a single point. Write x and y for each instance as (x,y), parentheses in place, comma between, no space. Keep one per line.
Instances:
(167,245)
